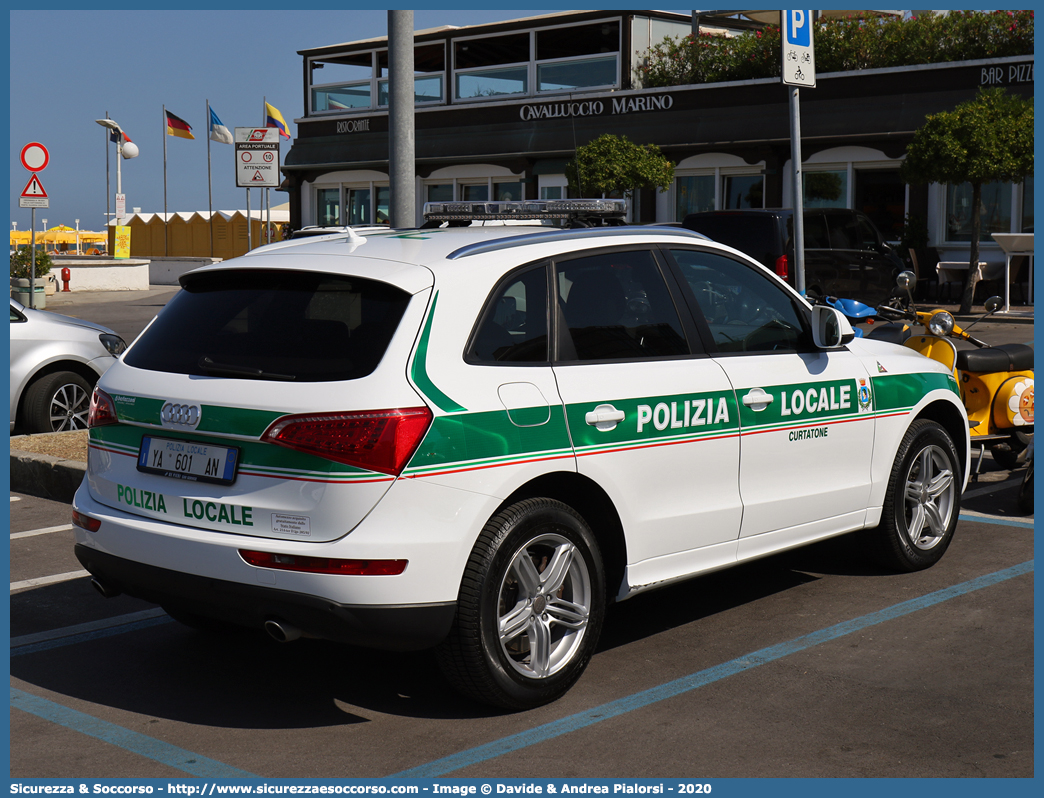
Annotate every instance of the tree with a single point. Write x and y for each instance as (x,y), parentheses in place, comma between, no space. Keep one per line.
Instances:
(983,140)
(616,165)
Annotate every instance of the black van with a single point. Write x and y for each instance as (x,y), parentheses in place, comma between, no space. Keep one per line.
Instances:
(845,255)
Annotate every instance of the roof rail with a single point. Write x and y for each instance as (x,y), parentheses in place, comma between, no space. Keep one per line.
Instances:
(580,234)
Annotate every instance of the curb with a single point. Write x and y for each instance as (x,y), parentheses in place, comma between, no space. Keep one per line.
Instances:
(45,476)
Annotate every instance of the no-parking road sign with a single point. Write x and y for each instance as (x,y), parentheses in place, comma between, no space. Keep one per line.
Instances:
(35,156)
(257,157)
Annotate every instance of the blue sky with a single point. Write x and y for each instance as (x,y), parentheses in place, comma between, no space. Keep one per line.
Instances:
(69,67)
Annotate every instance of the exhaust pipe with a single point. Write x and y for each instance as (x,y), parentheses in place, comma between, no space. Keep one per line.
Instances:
(282,631)
(104,589)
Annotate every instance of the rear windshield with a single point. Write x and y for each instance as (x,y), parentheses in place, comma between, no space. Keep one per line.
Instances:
(757,236)
(273,325)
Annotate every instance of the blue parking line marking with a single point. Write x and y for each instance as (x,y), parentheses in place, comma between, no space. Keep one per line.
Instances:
(621,706)
(47,645)
(157,750)
(980,519)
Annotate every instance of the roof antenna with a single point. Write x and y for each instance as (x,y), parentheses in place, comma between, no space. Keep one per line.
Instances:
(355,238)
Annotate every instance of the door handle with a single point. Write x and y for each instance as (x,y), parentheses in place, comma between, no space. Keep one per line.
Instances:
(757,399)
(605,417)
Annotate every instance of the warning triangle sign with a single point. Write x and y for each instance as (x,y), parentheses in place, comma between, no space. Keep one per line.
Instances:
(258,177)
(34,188)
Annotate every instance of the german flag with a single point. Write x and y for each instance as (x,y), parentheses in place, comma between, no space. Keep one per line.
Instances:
(176,126)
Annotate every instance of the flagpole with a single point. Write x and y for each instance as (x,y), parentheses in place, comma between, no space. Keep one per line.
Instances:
(165,219)
(268,197)
(210,188)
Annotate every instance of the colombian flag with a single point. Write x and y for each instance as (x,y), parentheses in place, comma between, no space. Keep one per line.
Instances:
(176,126)
(275,119)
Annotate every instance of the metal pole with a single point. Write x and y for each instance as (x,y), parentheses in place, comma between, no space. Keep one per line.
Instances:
(799,203)
(401,135)
(165,219)
(250,232)
(210,189)
(32,259)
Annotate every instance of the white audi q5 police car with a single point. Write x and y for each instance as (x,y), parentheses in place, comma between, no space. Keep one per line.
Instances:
(473,437)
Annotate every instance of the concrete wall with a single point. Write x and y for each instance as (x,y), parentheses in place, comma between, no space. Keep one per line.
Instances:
(99,273)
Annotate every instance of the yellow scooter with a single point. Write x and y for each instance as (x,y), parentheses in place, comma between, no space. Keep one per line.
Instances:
(996,382)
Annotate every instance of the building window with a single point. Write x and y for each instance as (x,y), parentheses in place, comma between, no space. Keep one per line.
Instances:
(440,192)
(474,193)
(995,211)
(359,206)
(564,57)
(328,206)
(743,191)
(363,203)
(383,204)
(343,84)
(429,67)
(505,191)
(491,66)
(827,189)
(693,194)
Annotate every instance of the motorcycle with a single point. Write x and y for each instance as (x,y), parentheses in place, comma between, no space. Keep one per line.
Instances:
(853,310)
(996,382)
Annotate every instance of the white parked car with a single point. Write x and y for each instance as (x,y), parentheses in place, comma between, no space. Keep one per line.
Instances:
(55,362)
(473,438)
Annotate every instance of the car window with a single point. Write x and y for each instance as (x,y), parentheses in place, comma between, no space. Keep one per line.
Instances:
(845,231)
(514,323)
(755,234)
(744,309)
(617,306)
(815,231)
(867,233)
(279,325)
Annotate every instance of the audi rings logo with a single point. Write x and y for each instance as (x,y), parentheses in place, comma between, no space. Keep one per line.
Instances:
(175,415)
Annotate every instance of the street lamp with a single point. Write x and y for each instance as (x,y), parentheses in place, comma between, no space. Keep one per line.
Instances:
(124,150)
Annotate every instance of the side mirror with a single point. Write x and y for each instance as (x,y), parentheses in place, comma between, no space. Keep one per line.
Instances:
(906,280)
(830,328)
(993,304)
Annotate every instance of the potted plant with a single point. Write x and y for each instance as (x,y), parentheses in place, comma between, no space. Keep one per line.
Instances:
(21,263)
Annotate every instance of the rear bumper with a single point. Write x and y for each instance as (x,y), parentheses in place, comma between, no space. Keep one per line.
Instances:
(391,627)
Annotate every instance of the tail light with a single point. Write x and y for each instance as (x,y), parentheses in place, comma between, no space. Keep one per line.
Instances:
(85,521)
(782,267)
(323,565)
(377,440)
(103,410)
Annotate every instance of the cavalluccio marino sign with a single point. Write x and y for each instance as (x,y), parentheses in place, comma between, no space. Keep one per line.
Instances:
(617,105)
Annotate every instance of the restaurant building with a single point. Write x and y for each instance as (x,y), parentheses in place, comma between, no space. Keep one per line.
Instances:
(501,108)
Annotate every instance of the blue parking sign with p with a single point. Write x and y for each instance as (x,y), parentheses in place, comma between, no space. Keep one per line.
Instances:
(799,29)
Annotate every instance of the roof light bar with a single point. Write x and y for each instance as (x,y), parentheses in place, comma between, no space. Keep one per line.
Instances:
(525,209)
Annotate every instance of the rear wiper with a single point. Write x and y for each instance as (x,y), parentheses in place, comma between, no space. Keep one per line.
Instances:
(228,370)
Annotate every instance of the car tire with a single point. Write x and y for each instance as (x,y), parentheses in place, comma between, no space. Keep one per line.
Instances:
(535,575)
(58,402)
(922,501)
